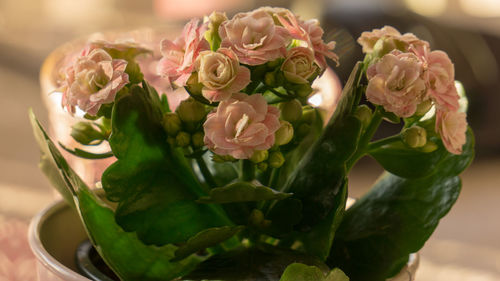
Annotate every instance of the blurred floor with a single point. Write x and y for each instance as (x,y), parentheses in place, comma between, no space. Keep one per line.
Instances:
(465,246)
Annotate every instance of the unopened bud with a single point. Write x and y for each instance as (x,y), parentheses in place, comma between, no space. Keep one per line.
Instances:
(191,111)
(171,140)
(259,156)
(284,134)
(262,166)
(415,136)
(308,114)
(291,111)
(270,79)
(364,114)
(222,158)
(85,133)
(171,123)
(197,139)
(274,63)
(303,90)
(256,217)
(182,139)
(423,108)
(276,159)
(134,72)
(429,147)
(193,85)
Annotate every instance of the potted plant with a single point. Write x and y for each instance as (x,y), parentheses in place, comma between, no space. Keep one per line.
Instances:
(245,180)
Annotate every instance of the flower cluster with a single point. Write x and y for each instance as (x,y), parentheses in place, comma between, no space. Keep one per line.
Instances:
(407,78)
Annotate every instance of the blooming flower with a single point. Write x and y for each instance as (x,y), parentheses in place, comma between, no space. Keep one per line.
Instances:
(221,74)
(393,40)
(93,80)
(395,83)
(299,65)
(179,55)
(241,125)
(452,127)
(439,75)
(311,33)
(254,37)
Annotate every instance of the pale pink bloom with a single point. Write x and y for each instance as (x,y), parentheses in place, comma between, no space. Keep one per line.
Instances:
(439,76)
(395,83)
(299,65)
(17,262)
(93,80)
(221,74)
(241,125)
(393,39)
(452,126)
(121,49)
(311,33)
(254,37)
(179,55)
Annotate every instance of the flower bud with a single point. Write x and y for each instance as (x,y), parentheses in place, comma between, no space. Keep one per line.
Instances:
(364,114)
(182,139)
(423,108)
(284,134)
(222,158)
(212,34)
(276,159)
(308,114)
(303,90)
(86,134)
(197,139)
(257,219)
(262,166)
(274,63)
(134,72)
(191,111)
(291,111)
(171,140)
(193,85)
(429,147)
(259,156)
(270,79)
(171,123)
(415,136)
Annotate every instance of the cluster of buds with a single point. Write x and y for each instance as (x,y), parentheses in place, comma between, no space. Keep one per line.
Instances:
(408,79)
(183,126)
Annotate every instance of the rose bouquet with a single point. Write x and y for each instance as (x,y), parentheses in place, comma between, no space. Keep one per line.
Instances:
(244,180)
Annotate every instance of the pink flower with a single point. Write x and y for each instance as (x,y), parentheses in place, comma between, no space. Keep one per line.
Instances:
(241,125)
(221,74)
(439,75)
(452,126)
(93,80)
(121,49)
(299,65)
(395,83)
(311,33)
(16,259)
(254,37)
(393,40)
(179,55)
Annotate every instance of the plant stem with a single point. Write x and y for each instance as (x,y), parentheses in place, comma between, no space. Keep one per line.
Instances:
(247,170)
(206,172)
(365,139)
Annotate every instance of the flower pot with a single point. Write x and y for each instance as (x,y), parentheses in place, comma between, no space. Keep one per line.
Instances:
(56,232)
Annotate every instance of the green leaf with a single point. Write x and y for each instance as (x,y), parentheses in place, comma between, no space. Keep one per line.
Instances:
(401,160)
(129,258)
(85,154)
(395,219)
(327,157)
(206,238)
(153,184)
(284,217)
(261,263)
(242,192)
(302,272)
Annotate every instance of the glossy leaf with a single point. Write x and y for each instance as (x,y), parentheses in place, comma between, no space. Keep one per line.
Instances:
(284,216)
(85,154)
(403,161)
(129,258)
(153,183)
(242,192)
(395,219)
(261,263)
(302,272)
(206,238)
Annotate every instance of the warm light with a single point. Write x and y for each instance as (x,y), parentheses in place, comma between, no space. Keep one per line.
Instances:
(481,8)
(315,100)
(428,8)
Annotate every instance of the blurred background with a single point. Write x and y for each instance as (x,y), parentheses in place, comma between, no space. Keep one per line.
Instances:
(465,246)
